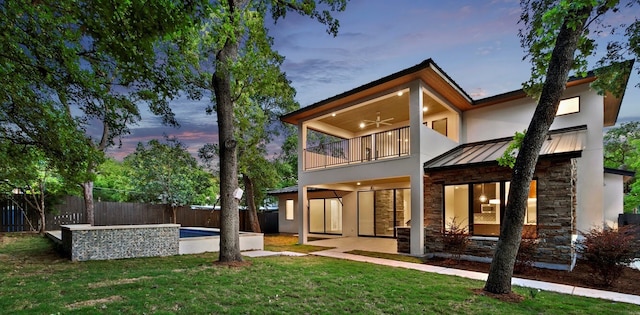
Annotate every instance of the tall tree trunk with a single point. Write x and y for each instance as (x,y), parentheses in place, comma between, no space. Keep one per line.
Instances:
(175,214)
(229,215)
(501,271)
(89,207)
(254,223)
(41,207)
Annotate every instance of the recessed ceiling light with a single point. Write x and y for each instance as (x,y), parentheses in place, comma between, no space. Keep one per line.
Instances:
(358,183)
(425,108)
(333,115)
(400,93)
(361,125)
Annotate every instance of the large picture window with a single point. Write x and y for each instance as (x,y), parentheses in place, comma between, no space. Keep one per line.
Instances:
(479,207)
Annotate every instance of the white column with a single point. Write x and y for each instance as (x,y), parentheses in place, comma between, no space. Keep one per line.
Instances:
(303,202)
(417,189)
(303,214)
(417,216)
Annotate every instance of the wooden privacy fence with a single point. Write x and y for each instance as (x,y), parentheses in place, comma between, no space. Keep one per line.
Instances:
(16,215)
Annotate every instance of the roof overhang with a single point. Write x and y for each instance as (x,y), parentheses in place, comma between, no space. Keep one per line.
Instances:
(427,71)
(432,75)
(626,175)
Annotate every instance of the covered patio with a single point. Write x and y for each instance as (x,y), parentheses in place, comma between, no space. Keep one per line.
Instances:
(370,244)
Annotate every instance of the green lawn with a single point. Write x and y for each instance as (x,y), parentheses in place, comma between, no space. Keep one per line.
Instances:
(35,280)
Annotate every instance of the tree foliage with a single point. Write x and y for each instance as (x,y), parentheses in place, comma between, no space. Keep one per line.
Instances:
(287,161)
(166,173)
(256,116)
(27,174)
(557,39)
(235,44)
(72,74)
(622,151)
(112,182)
(543,20)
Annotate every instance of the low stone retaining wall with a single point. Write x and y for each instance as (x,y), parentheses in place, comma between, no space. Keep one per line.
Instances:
(85,242)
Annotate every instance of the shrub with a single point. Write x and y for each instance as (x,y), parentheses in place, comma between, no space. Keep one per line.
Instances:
(455,239)
(526,252)
(607,251)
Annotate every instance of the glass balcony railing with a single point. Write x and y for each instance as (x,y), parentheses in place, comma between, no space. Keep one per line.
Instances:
(377,146)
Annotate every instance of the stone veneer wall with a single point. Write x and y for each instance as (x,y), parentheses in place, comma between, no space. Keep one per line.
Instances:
(556,180)
(404,239)
(84,242)
(385,209)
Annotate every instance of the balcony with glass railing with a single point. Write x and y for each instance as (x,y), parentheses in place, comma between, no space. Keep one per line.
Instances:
(377,146)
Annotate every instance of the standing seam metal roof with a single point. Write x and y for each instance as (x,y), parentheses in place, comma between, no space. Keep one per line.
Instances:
(568,140)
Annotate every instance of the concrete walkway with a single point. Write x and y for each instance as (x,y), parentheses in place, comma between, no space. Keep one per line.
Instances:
(546,286)
(349,243)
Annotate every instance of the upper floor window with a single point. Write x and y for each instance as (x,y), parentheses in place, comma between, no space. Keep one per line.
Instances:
(569,106)
(440,126)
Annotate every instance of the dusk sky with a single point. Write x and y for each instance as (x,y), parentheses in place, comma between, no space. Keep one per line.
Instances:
(475,42)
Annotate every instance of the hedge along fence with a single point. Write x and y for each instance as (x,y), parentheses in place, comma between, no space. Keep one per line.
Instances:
(16,216)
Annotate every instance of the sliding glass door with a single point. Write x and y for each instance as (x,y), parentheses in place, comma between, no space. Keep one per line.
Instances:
(325,216)
(380,211)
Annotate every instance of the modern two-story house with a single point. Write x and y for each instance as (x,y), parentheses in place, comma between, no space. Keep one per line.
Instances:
(405,155)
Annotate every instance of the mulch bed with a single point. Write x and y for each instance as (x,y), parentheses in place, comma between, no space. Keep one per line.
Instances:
(581,276)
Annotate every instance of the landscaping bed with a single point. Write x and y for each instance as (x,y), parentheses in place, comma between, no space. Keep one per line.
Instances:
(581,276)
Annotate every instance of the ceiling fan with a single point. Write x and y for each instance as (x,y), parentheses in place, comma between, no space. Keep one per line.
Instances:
(377,122)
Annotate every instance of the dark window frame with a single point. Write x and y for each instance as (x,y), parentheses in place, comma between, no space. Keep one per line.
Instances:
(571,113)
(471,196)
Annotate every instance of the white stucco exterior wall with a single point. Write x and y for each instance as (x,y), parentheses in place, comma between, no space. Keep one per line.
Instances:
(613,199)
(284,225)
(503,120)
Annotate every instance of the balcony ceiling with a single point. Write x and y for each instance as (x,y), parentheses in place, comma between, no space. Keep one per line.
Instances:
(394,106)
(367,184)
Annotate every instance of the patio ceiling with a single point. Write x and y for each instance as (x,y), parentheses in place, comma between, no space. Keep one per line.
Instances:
(353,185)
(389,106)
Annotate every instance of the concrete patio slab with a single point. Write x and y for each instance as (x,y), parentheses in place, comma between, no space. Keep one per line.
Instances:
(372,244)
(260,253)
(267,253)
(294,254)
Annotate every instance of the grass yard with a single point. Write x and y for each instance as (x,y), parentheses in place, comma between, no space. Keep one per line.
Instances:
(34,279)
